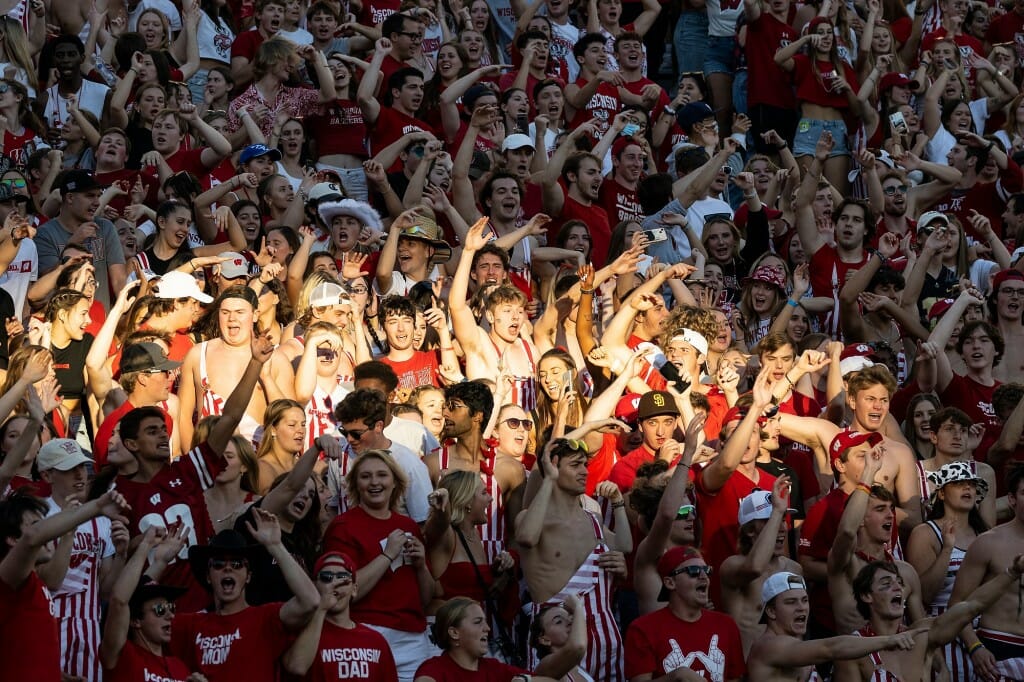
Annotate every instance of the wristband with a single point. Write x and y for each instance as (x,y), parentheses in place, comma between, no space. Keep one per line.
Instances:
(668,110)
(385,555)
(618,505)
(974,647)
(793,304)
(864,487)
(586,291)
(882,258)
(447,349)
(782,145)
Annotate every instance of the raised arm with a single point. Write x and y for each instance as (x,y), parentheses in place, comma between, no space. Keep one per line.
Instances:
(96,368)
(805,225)
(748,568)
(715,474)
(234,406)
(845,541)
(297,611)
(368,85)
(463,321)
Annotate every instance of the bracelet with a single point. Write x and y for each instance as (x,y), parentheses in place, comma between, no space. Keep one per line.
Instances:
(668,110)
(385,555)
(882,258)
(783,145)
(788,380)
(989,147)
(791,303)
(974,647)
(192,265)
(749,196)
(618,505)
(864,488)
(586,291)
(926,64)
(447,349)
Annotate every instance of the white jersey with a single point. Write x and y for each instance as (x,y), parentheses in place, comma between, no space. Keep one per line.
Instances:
(22,271)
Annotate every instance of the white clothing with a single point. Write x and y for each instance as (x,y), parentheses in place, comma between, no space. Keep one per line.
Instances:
(22,271)
(165,6)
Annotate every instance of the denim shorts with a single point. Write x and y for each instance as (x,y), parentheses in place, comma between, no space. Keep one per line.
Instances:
(808,130)
(720,56)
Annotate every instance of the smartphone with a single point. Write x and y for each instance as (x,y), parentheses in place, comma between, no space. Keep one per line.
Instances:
(522,124)
(566,382)
(950,64)
(898,123)
(658,234)
(671,373)
(630,129)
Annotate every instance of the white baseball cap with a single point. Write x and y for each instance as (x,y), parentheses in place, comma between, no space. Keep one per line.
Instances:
(777,583)
(695,339)
(327,294)
(756,506)
(62,454)
(177,284)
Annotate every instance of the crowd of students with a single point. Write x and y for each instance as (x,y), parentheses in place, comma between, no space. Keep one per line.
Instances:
(511,340)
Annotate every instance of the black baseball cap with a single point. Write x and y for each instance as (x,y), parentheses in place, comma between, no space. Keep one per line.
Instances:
(78,181)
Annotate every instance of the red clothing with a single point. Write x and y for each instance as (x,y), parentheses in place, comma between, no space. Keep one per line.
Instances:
(374,12)
(816,535)
(509,77)
(242,646)
(341,114)
(976,400)
(829,273)
(125,179)
(387,67)
(599,467)
(443,669)
(1005,28)
(188,160)
(361,653)
(390,126)
(293,101)
(176,494)
(624,472)
(764,38)
(637,86)
(984,197)
(137,664)
(101,444)
(419,370)
(653,638)
(602,107)
(821,88)
(246,43)
(595,217)
(29,640)
(395,601)
(620,203)
(18,148)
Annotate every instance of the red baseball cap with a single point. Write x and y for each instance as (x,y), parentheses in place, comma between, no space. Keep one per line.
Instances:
(892,80)
(675,556)
(847,439)
(857,350)
(335,558)
(628,408)
(1004,275)
(767,275)
(940,307)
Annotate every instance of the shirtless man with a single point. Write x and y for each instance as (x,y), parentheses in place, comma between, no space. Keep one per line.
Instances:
(881,596)
(502,350)
(781,654)
(997,647)
(213,368)
(562,545)
(864,535)
(762,553)
(868,395)
(1006,303)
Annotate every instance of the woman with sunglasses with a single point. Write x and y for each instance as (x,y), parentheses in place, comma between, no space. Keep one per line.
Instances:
(512,433)
(323,378)
(395,584)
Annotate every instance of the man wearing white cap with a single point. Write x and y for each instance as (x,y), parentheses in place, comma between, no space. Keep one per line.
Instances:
(234,269)
(176,309)
(782,653)
(91,558)
(762,553)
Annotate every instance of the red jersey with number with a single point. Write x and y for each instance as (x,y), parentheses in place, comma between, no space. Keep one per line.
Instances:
(29,640)
(138,664)
(176,494)
(242,646)
(395,601)
(660,642)
(766,79)
(360,653)
(419,370)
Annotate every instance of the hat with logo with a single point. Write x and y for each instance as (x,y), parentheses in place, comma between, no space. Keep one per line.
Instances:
(693,113)
(516,141)
(236,266)
(767,275)
(62,454)
(360,210)
(328,294)
(847,439)
(145,356)
(627,408)
(695,339)
(670,561)
(940,307)
(177,284)
(854,358)
(78,181)
(254,151)
(227,543)
(756,506)
(335,559)
(654,403)
(928,217)
(325,191)
(954,472)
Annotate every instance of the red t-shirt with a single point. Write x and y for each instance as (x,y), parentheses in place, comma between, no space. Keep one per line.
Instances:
(821,88)
(714,638)
(508,78)
(816,536)
(624,472)
(976,400)
(395,601)
(106,430)
(602,106)
(242,646)
(419,370)
(29,640)
(390,126)
(829,273)
(376,11)
(443,669)
(246,43)
(176,493)
(361,653)
(342,114)
(620,203)
(1005,28)
(637,86)
(137,664)
(595,218)
(764,38)
(599,467)
(188,160)
(125,179)
(17,148)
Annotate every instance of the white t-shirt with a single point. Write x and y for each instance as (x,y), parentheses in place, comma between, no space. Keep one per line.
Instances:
(214,39)
(414,504)
(299,36)
(22,271)
(165,6)
(700,209)
(91,97)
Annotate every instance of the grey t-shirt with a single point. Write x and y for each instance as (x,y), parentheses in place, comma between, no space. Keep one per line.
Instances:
(52,237)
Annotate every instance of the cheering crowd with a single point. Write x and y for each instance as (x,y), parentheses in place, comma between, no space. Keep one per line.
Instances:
(575,340)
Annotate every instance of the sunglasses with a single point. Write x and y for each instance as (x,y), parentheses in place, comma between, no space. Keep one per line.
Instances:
(717,217)
(4,87)
(354,434)
(576,445)
(692,571)
(453,405)
(519,423)
(685,512)
(233,564)
(161,610)
(17,183)
(889,191)
(358,290)
(326,353)
(328,577)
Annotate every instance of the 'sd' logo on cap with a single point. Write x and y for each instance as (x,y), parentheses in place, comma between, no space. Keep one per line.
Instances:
(659,400)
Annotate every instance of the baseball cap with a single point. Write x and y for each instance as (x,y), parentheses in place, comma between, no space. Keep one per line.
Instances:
(671,559)
(78,181)
(325,190)
(756,506)
(892,80)
(626,409)
(1005,275)
(327,294)
(238,266)
(847,439)
(654,403)
(767,275)
(854,358)
(180,285)
(939,308)
(692,113)
(695,339)
(254,151)
(928,216)
(145,356)
(62,454)
(777,583)
(335,558)
(517,141)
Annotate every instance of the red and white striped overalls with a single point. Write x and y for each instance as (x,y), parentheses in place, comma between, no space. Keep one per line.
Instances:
(524,389)
(604,658)
(492,533)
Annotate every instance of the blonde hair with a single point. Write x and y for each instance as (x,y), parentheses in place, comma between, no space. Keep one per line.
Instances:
(461,487)
(352,477)
(274,413)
